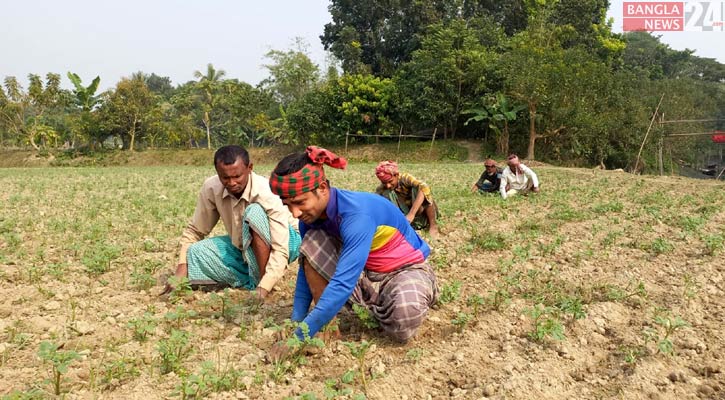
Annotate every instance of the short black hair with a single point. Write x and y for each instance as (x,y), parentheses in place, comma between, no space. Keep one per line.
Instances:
(227,155)
(291,164)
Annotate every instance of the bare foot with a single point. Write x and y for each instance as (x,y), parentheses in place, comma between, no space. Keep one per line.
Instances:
(433,231)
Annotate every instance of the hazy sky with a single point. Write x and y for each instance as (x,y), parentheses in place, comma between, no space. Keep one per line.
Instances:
(113,39)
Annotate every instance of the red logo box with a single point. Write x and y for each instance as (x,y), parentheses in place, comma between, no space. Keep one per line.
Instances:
(653,16)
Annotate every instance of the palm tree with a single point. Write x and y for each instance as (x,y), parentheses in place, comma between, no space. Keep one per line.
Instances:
(206,84)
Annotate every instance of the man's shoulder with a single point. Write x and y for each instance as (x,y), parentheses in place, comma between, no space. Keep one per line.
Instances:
(213,182)
(352,202)
(260,184)
(407,176)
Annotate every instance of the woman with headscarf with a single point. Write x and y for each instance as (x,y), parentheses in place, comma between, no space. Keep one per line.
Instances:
(412,196)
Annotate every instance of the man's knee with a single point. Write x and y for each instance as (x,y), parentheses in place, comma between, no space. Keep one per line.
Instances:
(315,280)
(407,319)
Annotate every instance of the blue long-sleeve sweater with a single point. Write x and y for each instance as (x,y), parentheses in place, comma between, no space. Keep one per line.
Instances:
(375,235)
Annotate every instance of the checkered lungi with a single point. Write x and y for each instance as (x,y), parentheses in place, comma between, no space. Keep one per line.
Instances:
(217,259)
(398,300)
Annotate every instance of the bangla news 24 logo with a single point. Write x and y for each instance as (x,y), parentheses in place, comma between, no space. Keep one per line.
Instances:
(698,16)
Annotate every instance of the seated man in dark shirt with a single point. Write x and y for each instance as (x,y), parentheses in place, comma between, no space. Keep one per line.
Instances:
(490,179)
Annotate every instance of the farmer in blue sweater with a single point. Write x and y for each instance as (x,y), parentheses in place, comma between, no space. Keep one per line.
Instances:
(347,233)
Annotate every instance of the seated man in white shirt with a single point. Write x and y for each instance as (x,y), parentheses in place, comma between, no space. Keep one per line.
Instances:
(517,179)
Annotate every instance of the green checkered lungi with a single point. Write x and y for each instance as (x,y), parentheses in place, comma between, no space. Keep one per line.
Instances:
(217,259)
(420,221)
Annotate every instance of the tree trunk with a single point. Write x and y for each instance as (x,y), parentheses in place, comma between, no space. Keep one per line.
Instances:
(207,124)
(32,142)
(505,138)
(132,133)
(532,131)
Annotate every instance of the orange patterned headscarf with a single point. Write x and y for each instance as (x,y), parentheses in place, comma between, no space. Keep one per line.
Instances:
(386,170)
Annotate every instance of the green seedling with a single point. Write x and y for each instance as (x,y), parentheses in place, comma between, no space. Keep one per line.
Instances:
(295,348)
(489,241)
(334,389)
(210,379)
(97,260)
(631,354)
(450,292)
(143,326)
(59,361)
(365,317)
(142,276)
(668,325)
(547,249)
(461,321)
(174,351)
(118,372)
(522,253)
(690,287)
(714,244)
(228,309)
(476,302)
(414,355)
(572,306)
(633,289)
(359,350)
(545,324)
(611,238)
(610,207)
(660,246)
(177,317)
(182,288)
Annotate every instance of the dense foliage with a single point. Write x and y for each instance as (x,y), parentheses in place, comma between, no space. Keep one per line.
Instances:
(544,78)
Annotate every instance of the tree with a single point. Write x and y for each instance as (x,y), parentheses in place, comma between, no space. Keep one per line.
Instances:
(373,36)
(127,108)
(208,86)
(512,16)
(24,113)
(497,110)
(444,77)
(160,85)
(292,74)
(364,102)
(85,99)
(188,111)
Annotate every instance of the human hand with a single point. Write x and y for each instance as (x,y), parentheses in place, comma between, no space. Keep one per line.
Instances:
(182,270)
(278,352)
(410,218)
(535,189)
(261,293)
(167,289)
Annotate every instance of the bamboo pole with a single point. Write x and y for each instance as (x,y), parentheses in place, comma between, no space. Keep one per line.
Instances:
(691,134)
(639,155)
(432,141)
(720,174)
(691,120)
(400,136)
(660,162)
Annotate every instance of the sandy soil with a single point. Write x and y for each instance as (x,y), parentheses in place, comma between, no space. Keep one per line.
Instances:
(612,258)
